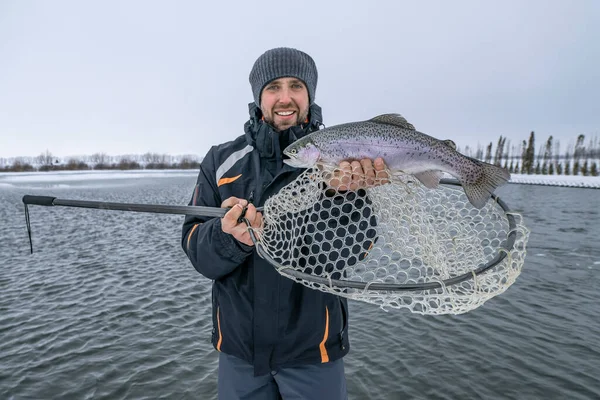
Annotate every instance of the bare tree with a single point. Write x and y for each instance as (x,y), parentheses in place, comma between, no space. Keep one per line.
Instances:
(529,155)
(557,164)
(45,159)
(579,148)
(479,153)
(488,153)
(99,158)
(547,157)
(468,152)
(499,151)
(523,157)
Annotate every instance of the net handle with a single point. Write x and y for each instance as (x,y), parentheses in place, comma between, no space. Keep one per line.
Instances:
(49,201)
(396,287)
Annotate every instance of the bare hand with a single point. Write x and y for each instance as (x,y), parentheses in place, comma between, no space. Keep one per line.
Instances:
(359,174)
(239,230)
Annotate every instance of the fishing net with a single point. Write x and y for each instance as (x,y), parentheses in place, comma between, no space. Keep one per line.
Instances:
(397,245)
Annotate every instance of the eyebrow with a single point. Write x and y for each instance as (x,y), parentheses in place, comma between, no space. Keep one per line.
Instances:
(279,82)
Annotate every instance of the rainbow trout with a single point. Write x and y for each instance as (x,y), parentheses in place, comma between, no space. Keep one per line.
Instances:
(404,150)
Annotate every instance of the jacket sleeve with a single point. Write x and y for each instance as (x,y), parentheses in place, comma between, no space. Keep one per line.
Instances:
(212,252)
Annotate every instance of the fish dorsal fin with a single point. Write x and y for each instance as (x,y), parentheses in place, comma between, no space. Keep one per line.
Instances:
(449,143)
(393,119)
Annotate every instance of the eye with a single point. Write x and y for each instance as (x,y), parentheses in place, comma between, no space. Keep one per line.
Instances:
(293,151)
(297,86)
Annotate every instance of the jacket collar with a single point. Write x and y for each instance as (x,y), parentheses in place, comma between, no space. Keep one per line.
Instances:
(268,141)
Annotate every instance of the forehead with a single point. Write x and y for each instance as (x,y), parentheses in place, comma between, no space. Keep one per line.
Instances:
(285,81)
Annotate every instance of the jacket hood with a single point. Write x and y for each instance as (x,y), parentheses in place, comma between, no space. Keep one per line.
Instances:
(270,143)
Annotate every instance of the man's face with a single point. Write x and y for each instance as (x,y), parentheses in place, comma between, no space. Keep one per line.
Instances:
(284,103)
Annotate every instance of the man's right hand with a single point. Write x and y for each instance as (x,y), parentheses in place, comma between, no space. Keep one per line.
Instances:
(239,230)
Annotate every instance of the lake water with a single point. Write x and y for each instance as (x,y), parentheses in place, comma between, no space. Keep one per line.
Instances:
(109,307)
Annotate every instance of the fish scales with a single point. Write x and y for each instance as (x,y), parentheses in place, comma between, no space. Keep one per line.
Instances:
(404,150)
(375,141)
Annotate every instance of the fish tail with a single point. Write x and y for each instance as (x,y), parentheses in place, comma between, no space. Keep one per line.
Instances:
(480,190)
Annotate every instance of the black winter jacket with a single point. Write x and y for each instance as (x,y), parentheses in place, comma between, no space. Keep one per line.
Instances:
(258,315)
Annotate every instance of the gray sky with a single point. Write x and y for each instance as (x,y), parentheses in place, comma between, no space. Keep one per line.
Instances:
(79,77)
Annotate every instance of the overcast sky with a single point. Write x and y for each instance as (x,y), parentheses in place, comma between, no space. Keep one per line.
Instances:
(122,77)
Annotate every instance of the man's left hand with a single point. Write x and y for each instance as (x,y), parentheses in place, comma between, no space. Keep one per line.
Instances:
(359,174)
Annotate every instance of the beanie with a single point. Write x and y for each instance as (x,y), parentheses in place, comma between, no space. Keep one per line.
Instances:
(283,62)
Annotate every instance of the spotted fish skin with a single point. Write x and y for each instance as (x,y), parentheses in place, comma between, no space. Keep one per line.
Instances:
(403,148)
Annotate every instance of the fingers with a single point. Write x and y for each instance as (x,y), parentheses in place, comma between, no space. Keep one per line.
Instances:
(368,171)
(341,177)
(381,173)
(359,174)
(230,220)
(230,223)
(230,202)
(253,216)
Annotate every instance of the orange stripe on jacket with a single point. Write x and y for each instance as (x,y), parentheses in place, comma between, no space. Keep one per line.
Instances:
(324,355)
(219,327)
(224,181)
(190,236)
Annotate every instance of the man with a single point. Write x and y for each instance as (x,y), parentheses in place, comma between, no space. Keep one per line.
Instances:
(276,338)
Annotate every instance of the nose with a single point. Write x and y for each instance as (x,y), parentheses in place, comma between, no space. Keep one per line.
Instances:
(285,96)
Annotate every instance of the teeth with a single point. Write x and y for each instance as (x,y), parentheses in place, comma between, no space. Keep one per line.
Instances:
(284,113)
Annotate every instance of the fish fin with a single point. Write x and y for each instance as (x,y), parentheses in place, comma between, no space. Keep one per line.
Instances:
(431,179)
(449,143)
(479,192)
(393,119)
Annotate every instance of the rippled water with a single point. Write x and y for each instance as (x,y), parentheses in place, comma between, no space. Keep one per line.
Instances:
(109,307)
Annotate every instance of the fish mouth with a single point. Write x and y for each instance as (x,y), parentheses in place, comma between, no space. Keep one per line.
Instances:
(296,163)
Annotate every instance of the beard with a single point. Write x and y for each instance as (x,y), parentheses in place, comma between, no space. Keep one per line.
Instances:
(272,119)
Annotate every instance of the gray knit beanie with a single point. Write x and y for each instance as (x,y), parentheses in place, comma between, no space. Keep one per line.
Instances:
(283,62)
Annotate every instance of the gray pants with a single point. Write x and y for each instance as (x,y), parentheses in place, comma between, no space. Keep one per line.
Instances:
(314,381)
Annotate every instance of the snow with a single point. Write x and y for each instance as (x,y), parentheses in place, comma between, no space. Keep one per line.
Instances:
(62,176)
(557,180)
(9,178)
(85,179)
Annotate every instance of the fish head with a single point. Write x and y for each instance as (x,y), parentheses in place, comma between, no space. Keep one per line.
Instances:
(302,154)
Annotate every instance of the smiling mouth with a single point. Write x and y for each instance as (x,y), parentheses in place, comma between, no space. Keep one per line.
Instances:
(285,113)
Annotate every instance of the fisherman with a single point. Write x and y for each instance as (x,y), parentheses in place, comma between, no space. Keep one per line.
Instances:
(276,338)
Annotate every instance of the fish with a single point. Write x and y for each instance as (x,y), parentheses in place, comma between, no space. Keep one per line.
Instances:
(404,151)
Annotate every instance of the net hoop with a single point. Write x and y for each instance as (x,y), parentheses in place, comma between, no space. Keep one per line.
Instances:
(393,242)
(391,287)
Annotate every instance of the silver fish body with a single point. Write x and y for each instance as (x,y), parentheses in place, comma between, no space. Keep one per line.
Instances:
(403,149)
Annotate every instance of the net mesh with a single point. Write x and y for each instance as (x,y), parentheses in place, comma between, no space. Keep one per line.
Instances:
(400,234)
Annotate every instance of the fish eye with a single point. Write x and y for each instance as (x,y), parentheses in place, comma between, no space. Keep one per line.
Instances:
(293,151)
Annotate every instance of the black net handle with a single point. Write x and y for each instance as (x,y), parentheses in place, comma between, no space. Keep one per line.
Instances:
(104,205)
(49,201)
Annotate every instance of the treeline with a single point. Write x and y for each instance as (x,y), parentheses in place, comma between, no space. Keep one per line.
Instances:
(99,161)
(579,158)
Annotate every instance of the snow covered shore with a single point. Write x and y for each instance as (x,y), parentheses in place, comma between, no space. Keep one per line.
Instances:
(23,177)
(557,180)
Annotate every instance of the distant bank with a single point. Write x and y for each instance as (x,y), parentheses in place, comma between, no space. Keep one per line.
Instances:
(91,174)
